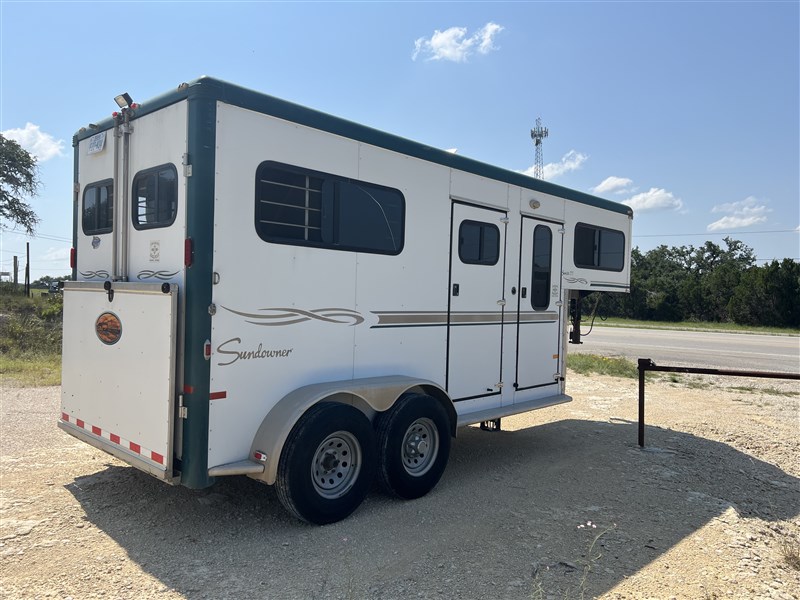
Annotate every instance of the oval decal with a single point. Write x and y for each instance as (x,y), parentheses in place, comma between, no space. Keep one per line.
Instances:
(108,328)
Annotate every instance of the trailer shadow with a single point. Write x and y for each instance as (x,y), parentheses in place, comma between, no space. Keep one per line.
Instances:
(515,514)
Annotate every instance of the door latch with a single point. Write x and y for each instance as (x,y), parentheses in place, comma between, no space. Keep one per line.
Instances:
(455,289)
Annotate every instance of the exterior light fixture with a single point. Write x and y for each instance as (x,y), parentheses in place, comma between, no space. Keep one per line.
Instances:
(123,100)
(534,204)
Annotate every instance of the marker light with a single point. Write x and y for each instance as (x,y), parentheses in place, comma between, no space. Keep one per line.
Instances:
(188,252)
(73,258)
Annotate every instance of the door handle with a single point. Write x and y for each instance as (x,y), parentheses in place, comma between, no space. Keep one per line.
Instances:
(523,292)
(455,289)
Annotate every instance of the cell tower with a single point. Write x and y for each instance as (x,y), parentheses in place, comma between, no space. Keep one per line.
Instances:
(537,135)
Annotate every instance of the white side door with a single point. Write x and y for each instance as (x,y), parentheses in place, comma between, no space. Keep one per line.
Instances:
(476,306)
(538,304)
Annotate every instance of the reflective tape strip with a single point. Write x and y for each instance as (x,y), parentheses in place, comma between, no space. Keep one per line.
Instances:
(115,439)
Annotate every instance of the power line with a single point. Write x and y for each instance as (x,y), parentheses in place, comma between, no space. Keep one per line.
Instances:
(771,259)
(716,233)
(43,236)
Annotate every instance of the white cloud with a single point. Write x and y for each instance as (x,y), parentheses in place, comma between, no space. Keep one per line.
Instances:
(742,213)
(618,185)
(654,199)
(42,145)
(571,161)
(730,222)
(454,45)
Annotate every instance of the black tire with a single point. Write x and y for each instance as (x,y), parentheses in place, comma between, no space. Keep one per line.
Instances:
(328,463)
(413,446)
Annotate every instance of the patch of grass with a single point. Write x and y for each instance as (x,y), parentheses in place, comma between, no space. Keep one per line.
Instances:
(757,390)
(695,325)
(602,365)
(697,384)
(30,338)
(790,549)
(31,370)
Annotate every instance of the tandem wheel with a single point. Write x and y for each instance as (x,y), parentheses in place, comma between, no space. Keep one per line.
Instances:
(328,463)
(413,445)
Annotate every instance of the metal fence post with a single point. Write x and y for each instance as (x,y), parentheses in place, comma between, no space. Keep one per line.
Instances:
(643,364)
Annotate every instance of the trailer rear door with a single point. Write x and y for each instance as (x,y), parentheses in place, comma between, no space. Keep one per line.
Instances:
(118,388)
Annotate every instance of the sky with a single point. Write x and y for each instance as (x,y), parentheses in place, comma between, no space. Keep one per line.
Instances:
(687,111)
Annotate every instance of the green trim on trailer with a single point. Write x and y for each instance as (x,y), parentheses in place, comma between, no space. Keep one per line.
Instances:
(75,212)
(209,87)
(201,147)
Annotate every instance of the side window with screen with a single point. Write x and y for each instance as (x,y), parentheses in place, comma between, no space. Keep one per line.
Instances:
(308,208)
(155,197)
(542,260)
(599,248)
(478,243)
(98,208)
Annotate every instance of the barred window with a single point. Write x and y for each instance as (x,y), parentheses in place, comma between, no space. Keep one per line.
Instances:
(309,208)
(155,197)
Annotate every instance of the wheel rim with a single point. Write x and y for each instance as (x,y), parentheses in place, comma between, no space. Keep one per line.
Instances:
(336,464)
(420,447)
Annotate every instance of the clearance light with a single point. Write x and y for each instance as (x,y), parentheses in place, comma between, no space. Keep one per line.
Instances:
(188,252)
(73,258)
(207,350)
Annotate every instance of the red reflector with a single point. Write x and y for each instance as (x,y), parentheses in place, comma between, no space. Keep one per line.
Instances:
(207,350)
(73,262)
(188,252)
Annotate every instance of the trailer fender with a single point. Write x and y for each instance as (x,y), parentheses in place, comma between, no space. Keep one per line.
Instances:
(370,395)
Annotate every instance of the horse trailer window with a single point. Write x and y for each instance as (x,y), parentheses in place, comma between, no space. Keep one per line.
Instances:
(542,259)
(98,208)
(308,208)
(478,243)
(599,248)
(155,197)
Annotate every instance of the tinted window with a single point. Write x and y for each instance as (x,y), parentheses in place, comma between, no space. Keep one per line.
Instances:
(155,197)
(310,208)
(98,208)
(478,243)
(542,258)
(599,248)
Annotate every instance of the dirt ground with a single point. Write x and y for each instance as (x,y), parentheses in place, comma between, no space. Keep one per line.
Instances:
(561,504)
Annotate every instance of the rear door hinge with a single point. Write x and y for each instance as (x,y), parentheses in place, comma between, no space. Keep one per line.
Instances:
(183,411)
(187,167)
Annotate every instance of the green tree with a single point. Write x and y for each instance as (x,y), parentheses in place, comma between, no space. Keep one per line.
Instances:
(18,178)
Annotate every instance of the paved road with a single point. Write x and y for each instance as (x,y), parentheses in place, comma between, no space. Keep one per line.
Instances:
(696,348)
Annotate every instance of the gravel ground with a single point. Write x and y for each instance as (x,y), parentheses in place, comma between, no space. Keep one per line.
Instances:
(561,504)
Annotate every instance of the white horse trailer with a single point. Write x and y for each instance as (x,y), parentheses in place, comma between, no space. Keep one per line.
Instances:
(261,289)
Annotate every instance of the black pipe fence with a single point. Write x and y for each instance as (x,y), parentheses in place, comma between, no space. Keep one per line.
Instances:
(645,364)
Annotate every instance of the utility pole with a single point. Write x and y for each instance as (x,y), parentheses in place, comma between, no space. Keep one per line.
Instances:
(28,269)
